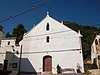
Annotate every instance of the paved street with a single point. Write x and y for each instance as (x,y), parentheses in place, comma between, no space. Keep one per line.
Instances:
(55,74)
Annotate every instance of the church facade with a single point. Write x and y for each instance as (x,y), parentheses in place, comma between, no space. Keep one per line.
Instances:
(50,43)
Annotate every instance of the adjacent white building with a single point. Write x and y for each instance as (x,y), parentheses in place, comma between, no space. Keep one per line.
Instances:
(9,55)
(48,44)
(95,49)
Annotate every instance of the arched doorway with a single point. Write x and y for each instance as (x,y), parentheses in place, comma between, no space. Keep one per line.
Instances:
(47,63)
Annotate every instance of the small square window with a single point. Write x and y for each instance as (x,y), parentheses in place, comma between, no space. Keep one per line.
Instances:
(96,42)
(8,42)
(14,65)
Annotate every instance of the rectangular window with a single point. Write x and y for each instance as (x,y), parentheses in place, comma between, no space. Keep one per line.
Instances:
(14,65)
(47,39)
(8,42)
(47,27)
(92,49)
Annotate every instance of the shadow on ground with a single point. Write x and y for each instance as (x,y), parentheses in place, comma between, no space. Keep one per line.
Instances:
(4,72)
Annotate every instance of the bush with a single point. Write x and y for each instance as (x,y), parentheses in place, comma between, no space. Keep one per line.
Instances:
(59,70)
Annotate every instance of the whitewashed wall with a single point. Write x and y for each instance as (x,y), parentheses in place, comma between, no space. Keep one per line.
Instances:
(65,59)
(62,39)
(94,53)
(4,42)
(2,57)
(7,52)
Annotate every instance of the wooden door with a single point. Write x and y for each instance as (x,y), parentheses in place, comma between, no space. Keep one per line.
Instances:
(47,64)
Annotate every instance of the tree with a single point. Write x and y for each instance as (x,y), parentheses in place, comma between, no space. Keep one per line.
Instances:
(87,32)
(7,35)
(18,32)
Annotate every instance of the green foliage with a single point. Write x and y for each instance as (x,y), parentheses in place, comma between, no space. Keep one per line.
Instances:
(18,32)
(87,32)
(7,35)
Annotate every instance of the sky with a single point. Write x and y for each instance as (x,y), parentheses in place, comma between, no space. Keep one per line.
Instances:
(84,12)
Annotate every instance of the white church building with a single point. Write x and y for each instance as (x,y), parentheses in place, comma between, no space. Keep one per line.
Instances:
(48,44)
(95,49)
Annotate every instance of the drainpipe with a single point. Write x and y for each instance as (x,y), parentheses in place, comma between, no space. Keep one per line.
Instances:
(20,59)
